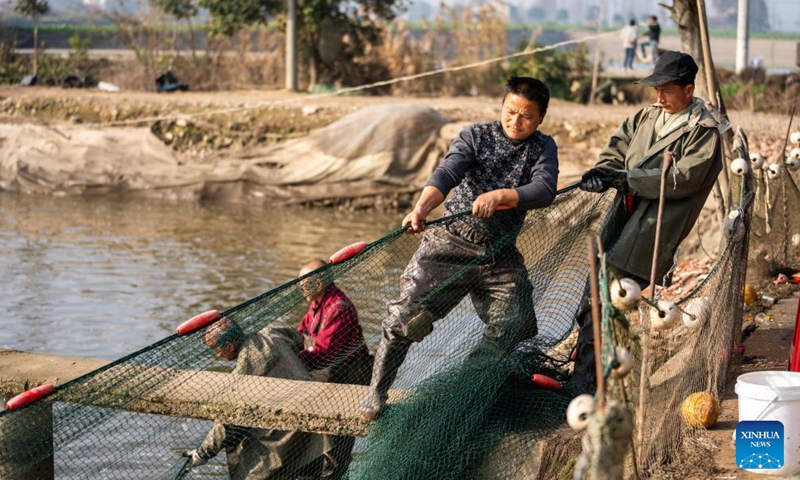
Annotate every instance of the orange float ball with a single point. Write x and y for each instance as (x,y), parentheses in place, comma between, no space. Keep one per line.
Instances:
(700,409)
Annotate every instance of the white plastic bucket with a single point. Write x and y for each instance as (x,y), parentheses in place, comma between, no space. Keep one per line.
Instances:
(774,395)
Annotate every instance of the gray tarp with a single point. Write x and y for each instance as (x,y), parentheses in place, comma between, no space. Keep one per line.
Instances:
(379,150)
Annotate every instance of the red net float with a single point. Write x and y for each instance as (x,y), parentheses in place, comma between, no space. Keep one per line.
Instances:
(198,321)
(794,348)
(545,382)
(347,252)
(30,396)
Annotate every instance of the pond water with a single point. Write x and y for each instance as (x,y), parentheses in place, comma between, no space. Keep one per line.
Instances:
(100,277)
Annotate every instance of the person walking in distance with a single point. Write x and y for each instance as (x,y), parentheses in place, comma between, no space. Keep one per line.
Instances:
(629,35)
(652,38)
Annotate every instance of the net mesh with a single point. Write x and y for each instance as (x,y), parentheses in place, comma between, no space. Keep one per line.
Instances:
(452,413)
(775,233)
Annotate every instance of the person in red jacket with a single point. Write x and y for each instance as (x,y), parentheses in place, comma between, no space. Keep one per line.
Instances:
(332,341)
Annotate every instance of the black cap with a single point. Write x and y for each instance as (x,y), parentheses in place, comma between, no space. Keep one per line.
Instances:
(672,66)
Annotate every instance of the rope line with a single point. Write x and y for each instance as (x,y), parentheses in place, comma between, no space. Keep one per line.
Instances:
(343,91)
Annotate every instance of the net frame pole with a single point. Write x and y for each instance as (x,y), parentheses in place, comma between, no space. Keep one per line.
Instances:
(598,339)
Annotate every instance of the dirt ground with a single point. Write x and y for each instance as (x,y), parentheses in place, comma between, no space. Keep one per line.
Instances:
(237,120)
(766,349)
(579,130)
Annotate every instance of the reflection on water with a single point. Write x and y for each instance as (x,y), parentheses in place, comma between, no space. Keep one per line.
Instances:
(118,449)
(101,277)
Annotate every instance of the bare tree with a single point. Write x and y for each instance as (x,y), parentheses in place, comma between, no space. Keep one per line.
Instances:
(181,10)
(33,9)
(143,27)
(686,16)
(693,30)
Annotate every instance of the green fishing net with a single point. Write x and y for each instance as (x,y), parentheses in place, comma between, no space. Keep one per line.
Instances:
(453,413)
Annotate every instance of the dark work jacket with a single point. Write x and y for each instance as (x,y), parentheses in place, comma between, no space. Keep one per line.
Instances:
(697,149)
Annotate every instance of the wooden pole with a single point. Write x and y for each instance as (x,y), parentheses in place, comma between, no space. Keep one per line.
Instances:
(708,65)
(291,45)
(596,330)
(654,268)
(595,61)
(712,92)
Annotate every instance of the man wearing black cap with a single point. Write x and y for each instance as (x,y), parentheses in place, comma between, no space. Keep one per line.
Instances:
(631,163)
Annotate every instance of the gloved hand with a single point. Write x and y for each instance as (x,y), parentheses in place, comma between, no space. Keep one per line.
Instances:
(619,181)
(599,180)
(590,182)
(195,460)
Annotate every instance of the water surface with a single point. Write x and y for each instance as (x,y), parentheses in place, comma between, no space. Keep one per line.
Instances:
(99,277)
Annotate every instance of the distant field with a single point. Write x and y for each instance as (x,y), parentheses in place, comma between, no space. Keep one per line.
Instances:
(552,27)
(778,51)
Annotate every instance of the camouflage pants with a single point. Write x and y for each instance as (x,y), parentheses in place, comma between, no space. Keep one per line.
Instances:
(445,269)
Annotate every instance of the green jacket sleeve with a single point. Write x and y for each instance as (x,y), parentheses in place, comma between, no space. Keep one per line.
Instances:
(612,157)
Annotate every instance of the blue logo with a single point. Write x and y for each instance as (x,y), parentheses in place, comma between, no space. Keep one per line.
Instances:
(759,445)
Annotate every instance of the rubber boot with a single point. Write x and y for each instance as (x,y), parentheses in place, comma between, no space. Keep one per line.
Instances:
(584,373)
(388,358)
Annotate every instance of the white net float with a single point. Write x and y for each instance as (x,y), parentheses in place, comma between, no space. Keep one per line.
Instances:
(580,411)
(774,171)
(793,160)
(665,316)
(696,313)
(756,160)
(795,137)
(625,294)
(740,166)
(624,363)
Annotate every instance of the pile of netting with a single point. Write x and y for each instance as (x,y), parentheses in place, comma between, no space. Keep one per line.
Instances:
(775,234)
(451,414)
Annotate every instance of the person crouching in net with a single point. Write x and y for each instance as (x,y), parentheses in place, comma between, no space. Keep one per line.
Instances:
(259,453)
